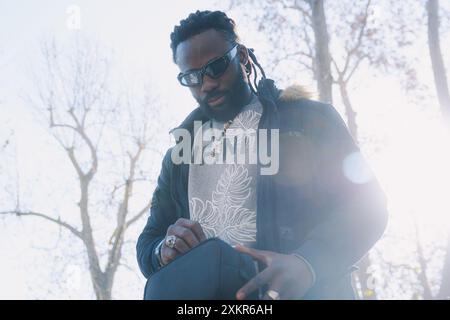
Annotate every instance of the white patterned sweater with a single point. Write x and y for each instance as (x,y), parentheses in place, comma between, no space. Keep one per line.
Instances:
(222,197)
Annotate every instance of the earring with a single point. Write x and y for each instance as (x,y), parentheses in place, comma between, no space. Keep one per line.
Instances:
(248,68)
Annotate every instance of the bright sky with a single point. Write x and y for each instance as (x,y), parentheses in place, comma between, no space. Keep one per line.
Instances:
(139,35)
(412,163)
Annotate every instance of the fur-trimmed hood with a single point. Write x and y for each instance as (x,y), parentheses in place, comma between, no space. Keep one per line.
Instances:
(295,92)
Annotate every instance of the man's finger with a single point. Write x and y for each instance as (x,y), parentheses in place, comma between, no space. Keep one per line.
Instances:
(276,285)
(260,255)
(255,283)
(194,226)
(181,246)
(184,233)
(168,254)
(199,231)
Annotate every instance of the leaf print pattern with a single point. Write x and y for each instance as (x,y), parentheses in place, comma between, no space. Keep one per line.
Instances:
(224,216)
(233,187)
(238,225)
(225,206)
(205,213)
(248,119)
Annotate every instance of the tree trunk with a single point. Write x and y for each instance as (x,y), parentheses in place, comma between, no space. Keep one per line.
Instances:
(103,291)
(349,111)
(97,276)
(440,81)
(422,275)
(322,54)
(444,290)
(437,62)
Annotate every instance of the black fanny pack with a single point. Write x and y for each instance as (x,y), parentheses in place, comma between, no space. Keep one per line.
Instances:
(213,270)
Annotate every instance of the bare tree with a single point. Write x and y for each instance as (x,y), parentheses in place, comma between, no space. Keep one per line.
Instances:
(443,95)
(444,289)
(437,62)
(333,41)
(322,40)
(369,39)
(75,99)
(422,270)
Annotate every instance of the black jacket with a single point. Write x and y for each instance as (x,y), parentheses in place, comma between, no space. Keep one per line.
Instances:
(323,204)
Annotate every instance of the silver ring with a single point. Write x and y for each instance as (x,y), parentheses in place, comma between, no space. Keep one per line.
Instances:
(272,294)
(170,241)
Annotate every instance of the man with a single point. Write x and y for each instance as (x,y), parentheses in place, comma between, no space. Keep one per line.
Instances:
(308,221)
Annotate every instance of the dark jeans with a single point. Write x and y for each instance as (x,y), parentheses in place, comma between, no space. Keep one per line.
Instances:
(211,271)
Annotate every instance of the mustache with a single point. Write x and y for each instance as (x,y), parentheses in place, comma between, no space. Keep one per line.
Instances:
(212,95)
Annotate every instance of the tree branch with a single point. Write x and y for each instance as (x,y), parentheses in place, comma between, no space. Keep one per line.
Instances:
(296,6)
(81,131)
(338,71)
(353,50)
(46,217)
(71,153)
(140,214)
(355,67)
(118,234)
(277,61)
(133,220)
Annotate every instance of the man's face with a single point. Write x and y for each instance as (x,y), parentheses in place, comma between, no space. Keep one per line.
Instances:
(220,98)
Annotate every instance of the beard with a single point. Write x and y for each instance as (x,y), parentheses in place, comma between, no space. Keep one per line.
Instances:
(234,100)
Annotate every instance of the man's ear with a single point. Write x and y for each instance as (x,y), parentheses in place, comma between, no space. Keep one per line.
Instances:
(244,59)
(243,54)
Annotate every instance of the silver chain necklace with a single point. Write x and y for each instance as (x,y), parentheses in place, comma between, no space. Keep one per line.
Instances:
(217,143)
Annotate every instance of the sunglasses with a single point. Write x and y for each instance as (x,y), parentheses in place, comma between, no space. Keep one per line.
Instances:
(213,69)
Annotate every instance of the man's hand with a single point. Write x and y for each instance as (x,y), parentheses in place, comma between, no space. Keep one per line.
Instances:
(189,234)
(286,274)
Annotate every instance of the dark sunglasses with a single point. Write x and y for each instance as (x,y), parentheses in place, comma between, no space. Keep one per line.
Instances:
(214,69)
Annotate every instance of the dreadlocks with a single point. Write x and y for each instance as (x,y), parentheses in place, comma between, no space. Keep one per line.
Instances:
(201,21)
